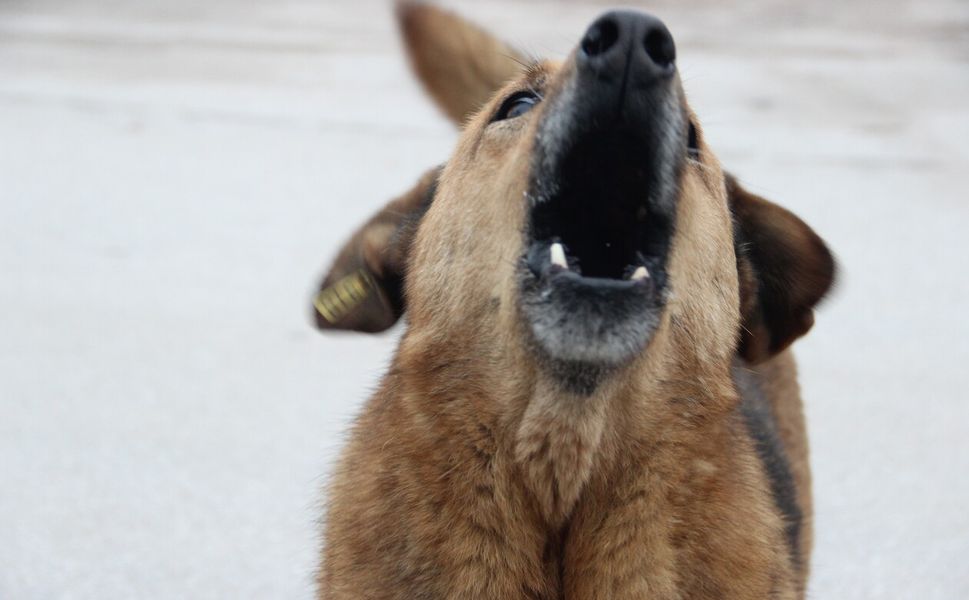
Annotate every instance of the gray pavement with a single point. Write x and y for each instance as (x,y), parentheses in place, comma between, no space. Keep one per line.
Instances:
(175,174)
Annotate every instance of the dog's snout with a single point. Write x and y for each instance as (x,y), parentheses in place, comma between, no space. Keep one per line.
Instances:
(624,44)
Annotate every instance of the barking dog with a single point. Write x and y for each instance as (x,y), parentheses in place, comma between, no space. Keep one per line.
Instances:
(593,396)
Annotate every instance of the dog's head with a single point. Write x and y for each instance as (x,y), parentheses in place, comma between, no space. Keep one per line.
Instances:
(582,223)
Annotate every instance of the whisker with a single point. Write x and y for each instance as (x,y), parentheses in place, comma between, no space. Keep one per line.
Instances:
(526,66)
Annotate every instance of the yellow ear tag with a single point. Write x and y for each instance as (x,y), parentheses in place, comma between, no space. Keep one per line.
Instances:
(336,301)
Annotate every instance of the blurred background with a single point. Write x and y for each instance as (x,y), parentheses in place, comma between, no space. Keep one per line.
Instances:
(175,175)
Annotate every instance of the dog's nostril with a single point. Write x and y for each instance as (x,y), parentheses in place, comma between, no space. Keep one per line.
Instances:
(659,46)
(600,37)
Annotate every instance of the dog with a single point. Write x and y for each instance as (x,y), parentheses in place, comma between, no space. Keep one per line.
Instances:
(594,395)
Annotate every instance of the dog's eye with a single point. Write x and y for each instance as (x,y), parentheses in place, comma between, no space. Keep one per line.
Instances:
(516,105)
(692,144)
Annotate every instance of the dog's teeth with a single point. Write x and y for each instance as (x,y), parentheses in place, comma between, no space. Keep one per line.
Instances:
(558,256)
(639,274)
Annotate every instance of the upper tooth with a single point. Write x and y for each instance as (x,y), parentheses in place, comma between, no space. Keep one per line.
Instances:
(558,255)
(640,273)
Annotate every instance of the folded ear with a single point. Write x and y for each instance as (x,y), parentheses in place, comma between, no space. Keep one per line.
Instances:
(460,65)
(785,270)
(363,290)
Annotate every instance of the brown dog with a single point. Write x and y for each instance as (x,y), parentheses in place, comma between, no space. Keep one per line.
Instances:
(593,397)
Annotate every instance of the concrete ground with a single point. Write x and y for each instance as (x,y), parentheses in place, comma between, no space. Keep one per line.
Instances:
(175,174)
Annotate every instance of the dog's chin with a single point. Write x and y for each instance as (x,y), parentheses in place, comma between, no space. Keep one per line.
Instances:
(584,328)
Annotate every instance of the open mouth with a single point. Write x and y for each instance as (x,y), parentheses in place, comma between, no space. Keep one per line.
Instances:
(600,222)
(599,231)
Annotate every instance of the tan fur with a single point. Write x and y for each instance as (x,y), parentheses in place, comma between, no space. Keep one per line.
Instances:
(472,474)
(458,63)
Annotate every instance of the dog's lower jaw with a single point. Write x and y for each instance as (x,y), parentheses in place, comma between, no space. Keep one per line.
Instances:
(583,331)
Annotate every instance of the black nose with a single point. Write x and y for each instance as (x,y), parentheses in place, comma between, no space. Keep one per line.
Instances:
(627,44)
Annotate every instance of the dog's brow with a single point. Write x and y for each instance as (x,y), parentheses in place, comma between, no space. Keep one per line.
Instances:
(535,73)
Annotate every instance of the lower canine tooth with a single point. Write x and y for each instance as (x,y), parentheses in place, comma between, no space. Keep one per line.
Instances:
(558,255)
(640,273)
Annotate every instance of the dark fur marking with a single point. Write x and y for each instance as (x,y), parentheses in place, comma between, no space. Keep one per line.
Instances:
(762,428)
(393,283)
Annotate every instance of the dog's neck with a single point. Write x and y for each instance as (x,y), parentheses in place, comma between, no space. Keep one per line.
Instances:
(556,438)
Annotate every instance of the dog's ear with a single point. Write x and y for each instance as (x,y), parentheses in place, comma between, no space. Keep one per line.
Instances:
(363,290)
(460,65)
(785,270)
